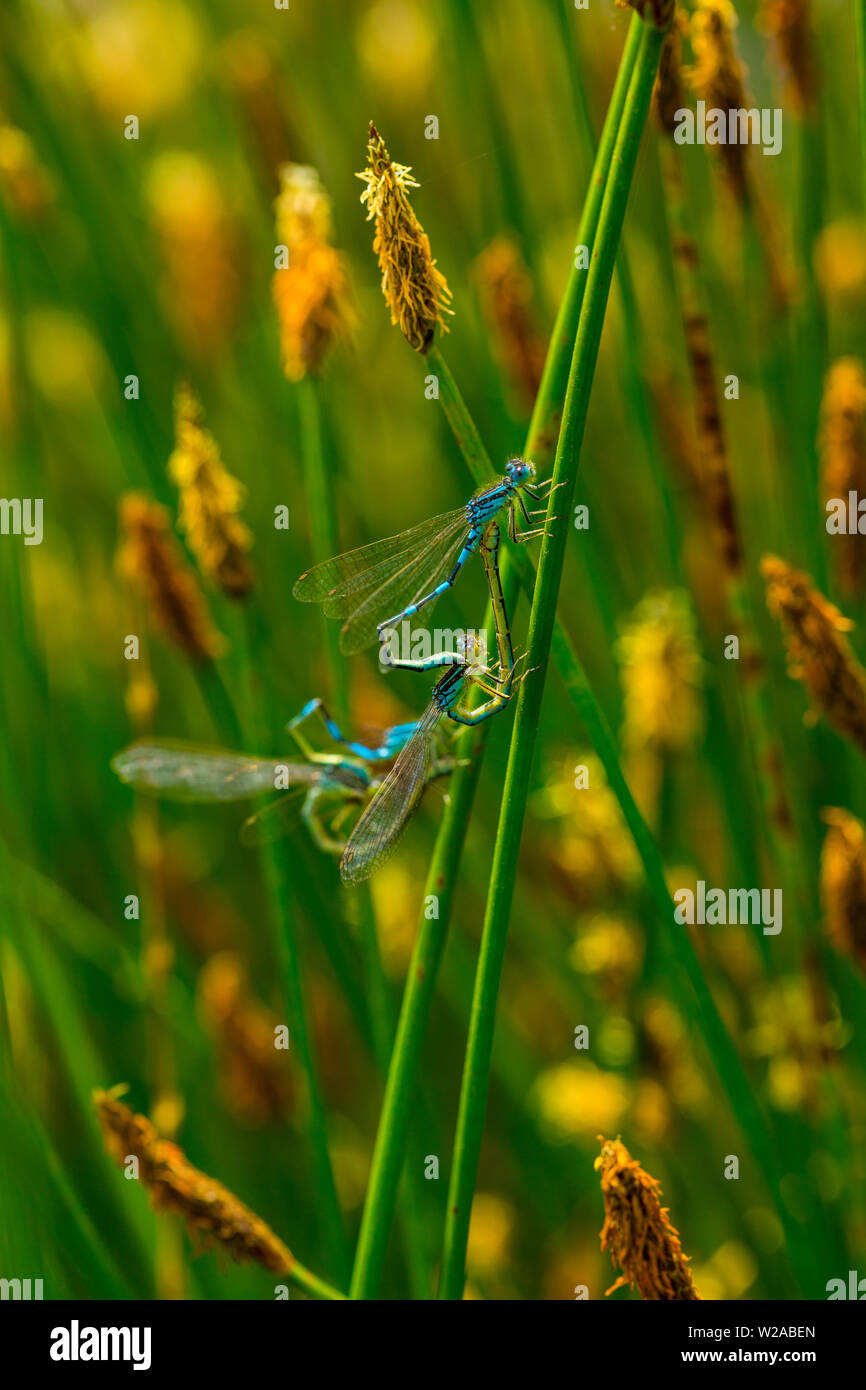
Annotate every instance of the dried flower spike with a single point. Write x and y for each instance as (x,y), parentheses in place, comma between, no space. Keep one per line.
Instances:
(669,94)
(718,78)
(256,1080)
(787,22)
(416,292)
(150,559)
(209,500)
(311,293)
(843,883)
(819,655)
(505,285)
(637,1229)
(209,1209)
(843,463)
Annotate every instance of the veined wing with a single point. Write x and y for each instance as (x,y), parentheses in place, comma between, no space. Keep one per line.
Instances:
(184,772)
(414,580)
(343,601)
(278,818)
(386,816)
(332,576)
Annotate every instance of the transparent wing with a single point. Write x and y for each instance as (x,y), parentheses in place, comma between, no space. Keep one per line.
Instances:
(411,582)
(185,772)
(386,816)
(275,820)
(333,576)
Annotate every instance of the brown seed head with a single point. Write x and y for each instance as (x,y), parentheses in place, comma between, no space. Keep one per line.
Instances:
(843,883)
(637,1229)
(416,292)
(210,499)
(843,461)
(149,558)
(211,1212)
(718,78)
(787,22)
(656,12)
(818,653)
(256,1080)
(669,95)
(505,285)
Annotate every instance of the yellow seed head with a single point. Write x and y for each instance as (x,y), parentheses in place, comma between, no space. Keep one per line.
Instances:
(415,291)
(843,883)
(210,499)
(637,1229)
(199,246)
(843,461)
(491,1232)
(839,257)
(661,674)
(819,655)
(140,56)
(311,293)
(211,1212)
(506,299)
(149,558)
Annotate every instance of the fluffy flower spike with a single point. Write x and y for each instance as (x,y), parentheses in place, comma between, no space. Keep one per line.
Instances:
(415,291)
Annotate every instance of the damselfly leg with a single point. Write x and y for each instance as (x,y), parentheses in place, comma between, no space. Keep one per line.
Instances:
(391,739)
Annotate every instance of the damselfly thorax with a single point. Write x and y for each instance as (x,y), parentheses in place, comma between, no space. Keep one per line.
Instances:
(405,573)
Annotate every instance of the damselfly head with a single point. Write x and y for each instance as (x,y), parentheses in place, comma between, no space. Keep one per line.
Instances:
(519,470)
(473,653)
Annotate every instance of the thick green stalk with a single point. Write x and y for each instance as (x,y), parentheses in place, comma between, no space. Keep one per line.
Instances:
(420,984)
(473,1097)
(390,1146)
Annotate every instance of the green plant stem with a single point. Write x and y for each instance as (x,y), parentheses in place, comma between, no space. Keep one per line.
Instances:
(476,1071)
(390,1145)
(442,875)
(311,1283)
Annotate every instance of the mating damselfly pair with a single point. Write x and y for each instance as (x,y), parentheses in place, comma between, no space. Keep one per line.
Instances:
(412,569)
